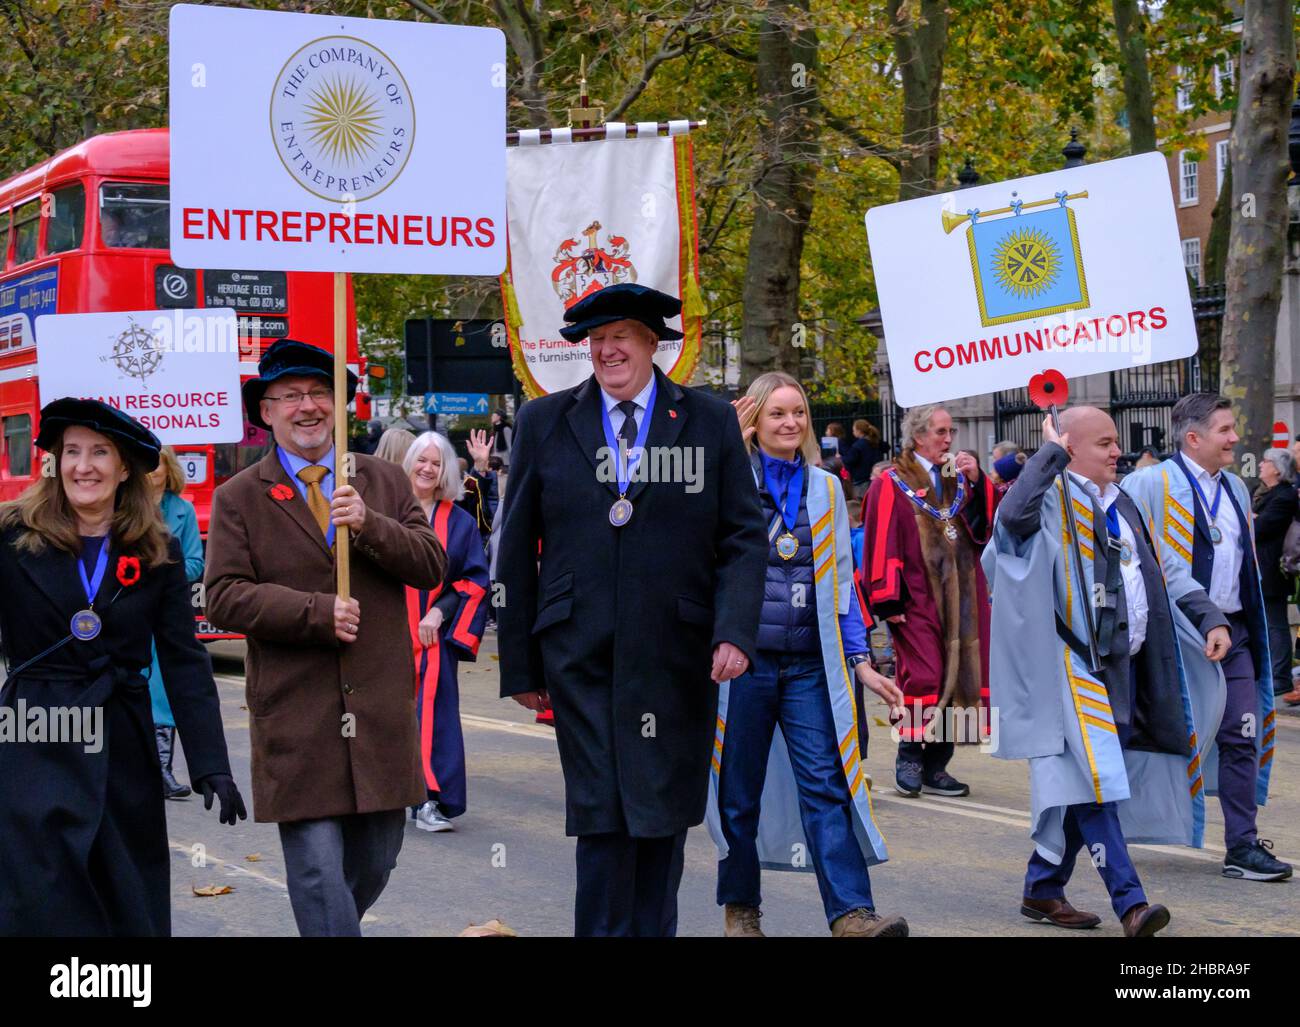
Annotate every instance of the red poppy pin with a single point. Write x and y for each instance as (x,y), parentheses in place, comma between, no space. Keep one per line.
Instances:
(1048,389)
(128,570)
(280,492)
(672,414)
(922,493)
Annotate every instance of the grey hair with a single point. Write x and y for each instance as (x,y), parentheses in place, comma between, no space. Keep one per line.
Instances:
(1283,461)
(916,421)
(451,485)
(1005,447)
(1193,413)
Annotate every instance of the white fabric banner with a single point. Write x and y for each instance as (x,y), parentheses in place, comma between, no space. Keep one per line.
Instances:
(585,216)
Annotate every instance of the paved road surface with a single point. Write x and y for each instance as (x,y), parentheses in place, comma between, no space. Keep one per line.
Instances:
(956,864)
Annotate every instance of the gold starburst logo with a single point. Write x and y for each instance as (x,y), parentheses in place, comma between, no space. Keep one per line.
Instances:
(1026,262)
(344,120)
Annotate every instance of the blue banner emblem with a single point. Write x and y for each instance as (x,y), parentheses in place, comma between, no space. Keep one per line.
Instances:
(1027,265)
(22,301)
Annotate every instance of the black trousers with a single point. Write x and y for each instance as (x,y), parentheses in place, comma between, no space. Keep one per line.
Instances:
(627,887)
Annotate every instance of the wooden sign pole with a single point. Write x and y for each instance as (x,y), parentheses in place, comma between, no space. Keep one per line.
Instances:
(341,424)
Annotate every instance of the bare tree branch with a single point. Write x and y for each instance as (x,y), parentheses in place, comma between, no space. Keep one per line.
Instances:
(851,132)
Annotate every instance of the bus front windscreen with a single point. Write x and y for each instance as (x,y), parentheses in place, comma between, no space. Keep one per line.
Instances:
(134,215)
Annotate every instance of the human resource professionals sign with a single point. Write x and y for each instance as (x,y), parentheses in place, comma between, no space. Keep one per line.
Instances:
(1080,270)
(174,371)
(304,142)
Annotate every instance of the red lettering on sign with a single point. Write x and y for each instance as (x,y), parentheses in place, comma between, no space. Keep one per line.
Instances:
(339,226)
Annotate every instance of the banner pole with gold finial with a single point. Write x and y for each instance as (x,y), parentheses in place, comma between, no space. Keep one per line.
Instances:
(341,424)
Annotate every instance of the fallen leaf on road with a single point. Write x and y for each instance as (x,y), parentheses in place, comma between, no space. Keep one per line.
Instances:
(494,928)
(254,858)
(879,722)
(212,889)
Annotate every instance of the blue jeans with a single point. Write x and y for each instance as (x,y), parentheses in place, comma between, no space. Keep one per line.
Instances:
(1097,826)
(789,689)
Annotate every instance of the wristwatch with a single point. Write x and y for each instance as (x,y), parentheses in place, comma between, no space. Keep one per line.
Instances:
(857,658)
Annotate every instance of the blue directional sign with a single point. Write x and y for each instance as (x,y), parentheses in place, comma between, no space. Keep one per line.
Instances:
(456,403)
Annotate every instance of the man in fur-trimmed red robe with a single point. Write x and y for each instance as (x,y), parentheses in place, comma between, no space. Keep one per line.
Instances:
(921,573)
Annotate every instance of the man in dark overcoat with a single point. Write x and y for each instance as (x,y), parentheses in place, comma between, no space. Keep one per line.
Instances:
(330,682)
(646,595)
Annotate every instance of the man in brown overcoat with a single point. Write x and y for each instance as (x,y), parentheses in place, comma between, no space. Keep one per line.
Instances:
(330,683)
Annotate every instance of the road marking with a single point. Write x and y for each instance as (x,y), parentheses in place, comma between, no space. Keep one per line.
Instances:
(1206,854)
(508,726)
(955,806)
(925,805)
(188,852)
(948,800)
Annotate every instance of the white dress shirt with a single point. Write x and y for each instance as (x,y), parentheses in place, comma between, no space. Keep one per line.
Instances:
(617,417)
(1135,589)
(1225,572)
(929,473)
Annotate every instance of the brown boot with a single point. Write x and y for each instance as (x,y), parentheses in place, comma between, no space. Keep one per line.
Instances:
(742,921)
(865,923)
(1143,921)
(1059,913)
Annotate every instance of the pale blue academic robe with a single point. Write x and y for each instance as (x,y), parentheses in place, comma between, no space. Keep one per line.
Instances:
(1051,710)
(1166,498)
(781,842)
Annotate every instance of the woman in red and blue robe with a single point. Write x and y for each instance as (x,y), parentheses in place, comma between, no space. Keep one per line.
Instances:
(446,627)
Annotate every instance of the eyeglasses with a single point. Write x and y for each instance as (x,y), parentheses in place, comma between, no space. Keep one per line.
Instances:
(318,396)
(945,432)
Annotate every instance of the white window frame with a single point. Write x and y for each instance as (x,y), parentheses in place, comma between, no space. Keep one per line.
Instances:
(1189,180)
(1182,92)
(1192,248)
(1226,71)
(1222,155)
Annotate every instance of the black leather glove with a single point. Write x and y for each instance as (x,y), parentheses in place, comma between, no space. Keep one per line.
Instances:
(223,787)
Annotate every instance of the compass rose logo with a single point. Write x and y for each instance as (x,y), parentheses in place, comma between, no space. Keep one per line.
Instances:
(342,119)
(137,352)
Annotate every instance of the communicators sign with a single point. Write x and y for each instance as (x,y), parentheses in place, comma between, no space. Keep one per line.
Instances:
(1079,270)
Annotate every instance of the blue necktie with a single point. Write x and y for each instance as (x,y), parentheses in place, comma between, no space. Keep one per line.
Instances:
(1112,521)
(937,475)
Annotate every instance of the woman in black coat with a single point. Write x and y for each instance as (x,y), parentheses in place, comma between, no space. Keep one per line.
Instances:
(1275,507)
(88,578)
(864,453)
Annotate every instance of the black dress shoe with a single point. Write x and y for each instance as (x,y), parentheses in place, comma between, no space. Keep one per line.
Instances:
(1142,921)
(1254,862)
(1059,913)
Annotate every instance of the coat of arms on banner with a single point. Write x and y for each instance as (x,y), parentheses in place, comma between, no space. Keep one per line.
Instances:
(1025,265)
(578,274)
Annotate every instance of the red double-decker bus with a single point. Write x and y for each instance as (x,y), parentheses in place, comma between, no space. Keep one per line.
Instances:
(88,231)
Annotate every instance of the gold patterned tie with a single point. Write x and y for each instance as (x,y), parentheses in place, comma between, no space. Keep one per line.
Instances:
(312,475)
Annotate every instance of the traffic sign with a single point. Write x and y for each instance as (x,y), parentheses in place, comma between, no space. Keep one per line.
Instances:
(456,403)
